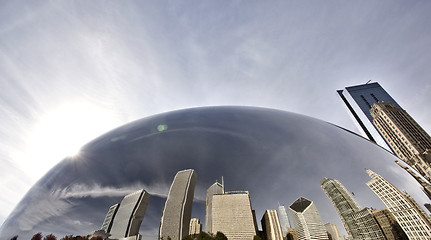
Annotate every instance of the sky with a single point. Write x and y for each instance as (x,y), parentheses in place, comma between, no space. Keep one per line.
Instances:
(72,70)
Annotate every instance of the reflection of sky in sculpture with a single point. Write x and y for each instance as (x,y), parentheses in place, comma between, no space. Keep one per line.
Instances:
(277,156)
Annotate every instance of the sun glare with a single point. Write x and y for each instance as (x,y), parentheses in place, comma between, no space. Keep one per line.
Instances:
(61,133)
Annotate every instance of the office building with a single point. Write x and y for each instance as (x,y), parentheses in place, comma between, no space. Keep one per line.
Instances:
(271,226)
(216,188)
(332,231)
(130,214)
(195,226)
(232,215)
(177,212)
(284,219)
(291,234)
(307,221)
(390,227)
(107,223)
(366,225)
(358,100)
(343,202)
(411,217)
(404,135)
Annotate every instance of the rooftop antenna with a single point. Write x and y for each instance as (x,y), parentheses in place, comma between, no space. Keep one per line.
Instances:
(278,203)
(222,183)
(368,81)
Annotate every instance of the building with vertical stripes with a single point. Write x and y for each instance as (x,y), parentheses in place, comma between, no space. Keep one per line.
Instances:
(271,226)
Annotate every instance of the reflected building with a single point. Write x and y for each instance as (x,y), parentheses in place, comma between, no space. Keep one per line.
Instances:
(343,202)
(359,99)
(271,226)
(408,140)
(333,231)
(426,187)
(232,215)
(130,214)
(216,188)
(284,219)
(307,221)
(178,207)
(389,225)
(366,225)
(291,234)
(107,223)
(411,217)
(195,226)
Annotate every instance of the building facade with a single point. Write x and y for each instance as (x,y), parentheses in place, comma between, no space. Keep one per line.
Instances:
(109,218)
(408,140)
(405,210)
(359,99)
(333,231)
(284,219)
(271,226)
(307,221)
(291,234)
(389,225)
(426,187)
(343,202)
(177,212)
(130,214)
(216,188)
(195,226)
(367,226)
(232,215)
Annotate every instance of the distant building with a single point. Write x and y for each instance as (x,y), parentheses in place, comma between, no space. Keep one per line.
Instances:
(177,212)
(359,99)
(216,188)
(195,226)
(343,202)
(107,223)
(307,221)
(366,225)
(411,217)
(284,219)
(271,226)
(232,215)
(408,140)
(129,215)
(333,231)
(291,234)
(389,225)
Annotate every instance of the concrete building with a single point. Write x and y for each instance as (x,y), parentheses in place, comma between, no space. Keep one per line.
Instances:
(216,188)
(307,221)
(271,226)
(358,100)
(333,231)
(130,214)
(177,212)
(284,219)
(232,215)
(390,227)
(411,217)
(291,234)
(109,218)
(366,225)
(195,226)
(408,140)
(343,202)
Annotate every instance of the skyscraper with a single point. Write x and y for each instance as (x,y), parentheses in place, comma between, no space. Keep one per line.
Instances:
(307,221)
(284,219)
(177,212)
(271,226)
(359,100)
(390,227)
(216,188)
(343,202)
(426,187)
(407,212)
(232,215)
(195,226)
(107,223)
(130,214)
(332,230)
(366,225)
(404,135)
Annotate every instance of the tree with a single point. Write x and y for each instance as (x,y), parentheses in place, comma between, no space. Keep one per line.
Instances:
(68,237)
(37,236)
(50,237)
(97,238)
(257,237)
(220,236)
(14,237)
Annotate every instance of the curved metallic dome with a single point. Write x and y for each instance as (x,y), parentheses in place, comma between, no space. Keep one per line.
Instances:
(277,156)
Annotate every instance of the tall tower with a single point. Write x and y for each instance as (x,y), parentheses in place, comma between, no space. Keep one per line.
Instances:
(404,135)
(178,207)
(359,100)
(284,219)
(343,202)
(216,188)
(130,214)
(271,226)
(109,219)
(307,221)
(407,212)
(232,215)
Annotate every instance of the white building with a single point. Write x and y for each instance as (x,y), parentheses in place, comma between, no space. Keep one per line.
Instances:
(307,221)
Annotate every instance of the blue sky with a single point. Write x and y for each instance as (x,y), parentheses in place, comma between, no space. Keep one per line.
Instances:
(72,70)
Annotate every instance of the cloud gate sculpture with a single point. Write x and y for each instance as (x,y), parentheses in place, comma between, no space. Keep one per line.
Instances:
(277,156)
